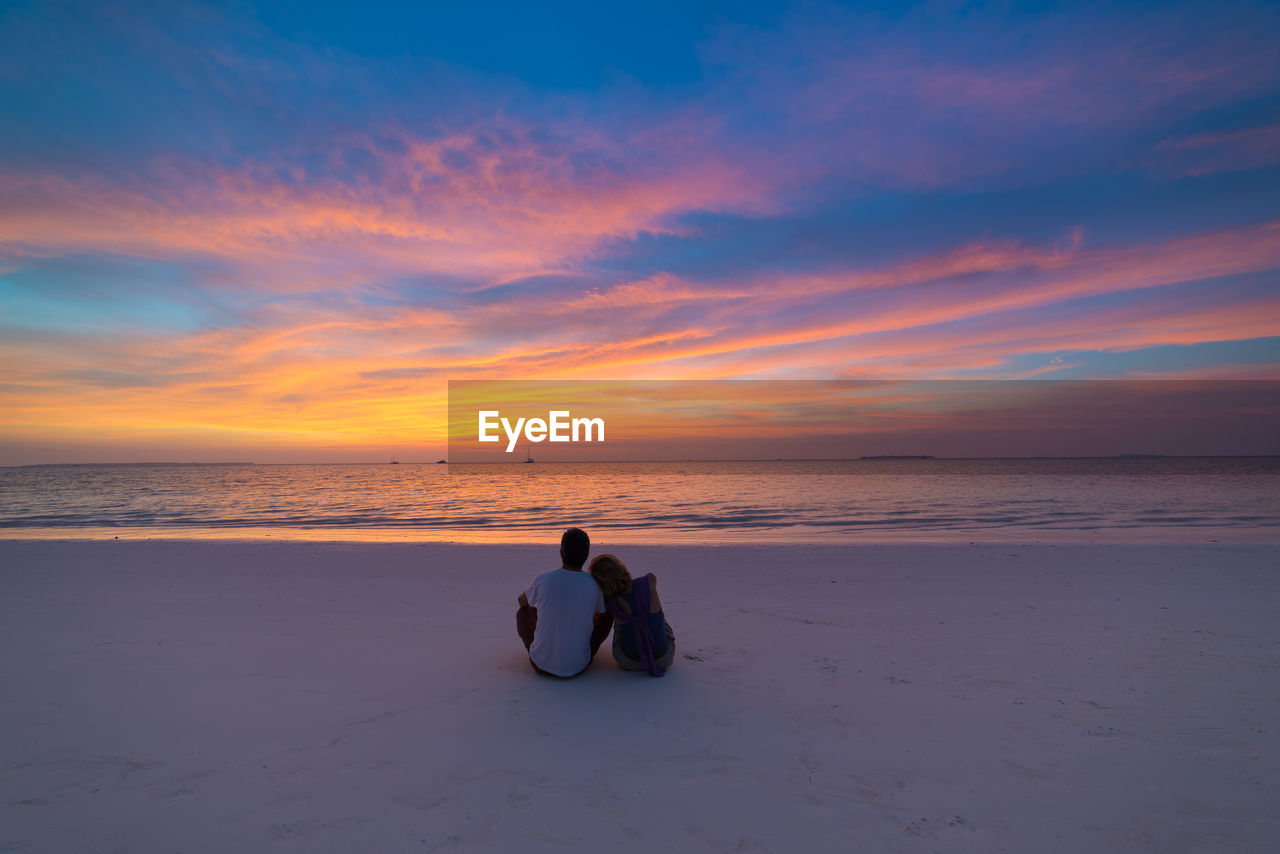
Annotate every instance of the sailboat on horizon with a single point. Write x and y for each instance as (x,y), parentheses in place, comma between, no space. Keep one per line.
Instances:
(528,456)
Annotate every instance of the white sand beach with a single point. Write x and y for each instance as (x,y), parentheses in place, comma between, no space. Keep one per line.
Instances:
(171,696)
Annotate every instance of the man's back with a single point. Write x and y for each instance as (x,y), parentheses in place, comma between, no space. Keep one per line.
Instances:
(567,602)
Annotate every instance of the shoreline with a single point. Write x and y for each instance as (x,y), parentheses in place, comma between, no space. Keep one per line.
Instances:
(646,537)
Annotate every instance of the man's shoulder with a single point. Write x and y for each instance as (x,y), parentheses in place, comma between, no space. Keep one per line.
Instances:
(565,578)
(552,576)
(556,573)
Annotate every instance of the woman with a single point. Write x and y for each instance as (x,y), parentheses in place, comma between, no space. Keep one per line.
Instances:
(642,637)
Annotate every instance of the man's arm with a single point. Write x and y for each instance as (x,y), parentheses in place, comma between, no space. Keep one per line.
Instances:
(523,600)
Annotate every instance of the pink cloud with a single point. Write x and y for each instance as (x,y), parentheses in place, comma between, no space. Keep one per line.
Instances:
(490,202)
(977,285)
(996,101)
(1210,153)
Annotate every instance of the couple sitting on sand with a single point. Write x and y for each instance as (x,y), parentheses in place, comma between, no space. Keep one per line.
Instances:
(566,614)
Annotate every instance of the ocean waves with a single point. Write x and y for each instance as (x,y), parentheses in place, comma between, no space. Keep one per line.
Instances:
(819,500)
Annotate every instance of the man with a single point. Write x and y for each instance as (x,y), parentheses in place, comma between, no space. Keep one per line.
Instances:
(562,619)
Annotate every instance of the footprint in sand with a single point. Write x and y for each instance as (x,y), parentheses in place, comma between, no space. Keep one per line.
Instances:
(926,828)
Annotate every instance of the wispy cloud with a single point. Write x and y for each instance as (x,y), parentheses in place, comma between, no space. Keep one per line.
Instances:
(1215,152)
(306,369)
(487,203)
(964,99)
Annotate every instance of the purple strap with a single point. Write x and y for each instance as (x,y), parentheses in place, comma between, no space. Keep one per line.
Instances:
(639,622)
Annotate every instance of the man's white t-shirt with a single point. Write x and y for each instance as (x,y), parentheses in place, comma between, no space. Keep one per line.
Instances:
(567,602)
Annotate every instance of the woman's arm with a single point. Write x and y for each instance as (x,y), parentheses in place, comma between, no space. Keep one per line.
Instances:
(655,604)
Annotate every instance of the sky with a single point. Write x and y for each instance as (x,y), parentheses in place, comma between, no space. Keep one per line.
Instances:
(275,232)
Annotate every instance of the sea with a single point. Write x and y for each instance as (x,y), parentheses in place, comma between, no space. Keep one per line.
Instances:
(819,501)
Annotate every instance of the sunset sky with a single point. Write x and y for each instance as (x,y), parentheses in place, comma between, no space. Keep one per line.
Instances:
(273,233)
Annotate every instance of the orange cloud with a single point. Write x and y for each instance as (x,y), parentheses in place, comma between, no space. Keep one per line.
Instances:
(355,375)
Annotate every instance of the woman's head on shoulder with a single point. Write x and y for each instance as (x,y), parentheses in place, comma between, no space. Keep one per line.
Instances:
(611,574)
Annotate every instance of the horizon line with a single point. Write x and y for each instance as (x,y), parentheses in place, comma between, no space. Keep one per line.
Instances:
(870,458)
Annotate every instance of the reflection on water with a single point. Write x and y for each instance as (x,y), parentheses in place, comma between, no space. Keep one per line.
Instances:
(794,500)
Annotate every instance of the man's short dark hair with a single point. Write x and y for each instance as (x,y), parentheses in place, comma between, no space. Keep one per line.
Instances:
(575,545)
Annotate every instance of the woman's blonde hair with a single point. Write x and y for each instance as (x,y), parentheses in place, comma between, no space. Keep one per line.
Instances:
(611,574)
